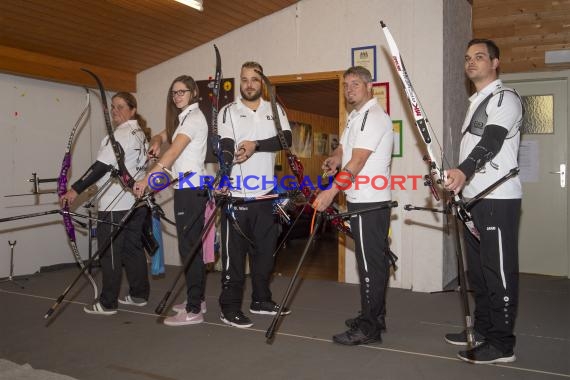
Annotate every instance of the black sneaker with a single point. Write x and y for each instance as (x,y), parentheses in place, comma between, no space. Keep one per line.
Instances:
(267,308)
(353,337)
(460,339)
(236,319)
(486,353)
(353,322)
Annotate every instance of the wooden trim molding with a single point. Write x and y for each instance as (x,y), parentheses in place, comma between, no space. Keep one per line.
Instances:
(41,66)
(312,77)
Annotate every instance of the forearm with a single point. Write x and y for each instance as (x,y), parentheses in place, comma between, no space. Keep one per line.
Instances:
(354,166)
(159,138)
(357,161)
(164,163)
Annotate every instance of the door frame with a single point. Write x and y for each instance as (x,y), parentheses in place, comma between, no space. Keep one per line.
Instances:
(313,77)
(540,76)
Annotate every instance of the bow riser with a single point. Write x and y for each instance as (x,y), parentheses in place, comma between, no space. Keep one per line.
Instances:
(62,189)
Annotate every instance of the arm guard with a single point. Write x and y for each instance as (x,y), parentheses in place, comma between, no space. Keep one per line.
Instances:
(227,147)
(490,144)
(272,144)
(92,175)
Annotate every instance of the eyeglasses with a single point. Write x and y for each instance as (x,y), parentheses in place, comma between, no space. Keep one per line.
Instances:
(179,92)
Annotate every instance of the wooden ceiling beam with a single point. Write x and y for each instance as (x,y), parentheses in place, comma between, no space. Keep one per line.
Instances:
(41,66)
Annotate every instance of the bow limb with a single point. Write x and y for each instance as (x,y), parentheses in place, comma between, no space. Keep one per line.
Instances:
(216,97)
(224,168)
(125,177)
(424,127)
(62,189)
(420,118)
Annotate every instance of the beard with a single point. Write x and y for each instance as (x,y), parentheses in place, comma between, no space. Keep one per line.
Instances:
(251,98)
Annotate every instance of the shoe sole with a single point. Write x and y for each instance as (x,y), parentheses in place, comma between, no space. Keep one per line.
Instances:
(263,312)
(235,324)
(464,344)
(133,304)
(367,341)
(185,323)
(508,359)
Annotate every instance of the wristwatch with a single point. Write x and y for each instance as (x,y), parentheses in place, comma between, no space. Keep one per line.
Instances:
(256,145)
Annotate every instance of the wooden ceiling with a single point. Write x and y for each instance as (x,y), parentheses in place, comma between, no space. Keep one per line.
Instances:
(115,38)
(119,38)
(524,31)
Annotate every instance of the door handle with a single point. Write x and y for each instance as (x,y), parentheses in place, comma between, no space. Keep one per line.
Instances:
(562,173)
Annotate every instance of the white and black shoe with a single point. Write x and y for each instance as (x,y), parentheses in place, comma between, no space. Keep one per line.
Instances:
(267,308)
(236,319)
(486,353)
(133,301)
(460,339)
(99,309)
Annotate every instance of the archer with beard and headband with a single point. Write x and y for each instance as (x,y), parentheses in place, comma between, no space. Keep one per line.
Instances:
(248,133)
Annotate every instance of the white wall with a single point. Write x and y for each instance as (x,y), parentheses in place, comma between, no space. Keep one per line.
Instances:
(315,36)
(36,118)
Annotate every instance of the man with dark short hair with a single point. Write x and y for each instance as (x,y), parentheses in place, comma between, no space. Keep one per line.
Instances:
(489,150)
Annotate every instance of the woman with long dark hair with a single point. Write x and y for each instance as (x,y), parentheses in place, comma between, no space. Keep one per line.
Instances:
(187,132)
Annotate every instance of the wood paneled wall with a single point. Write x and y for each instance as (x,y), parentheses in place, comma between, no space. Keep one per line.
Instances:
(320,124)
(524,30)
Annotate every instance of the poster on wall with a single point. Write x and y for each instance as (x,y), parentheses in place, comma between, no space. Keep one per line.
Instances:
(529,161)
(381,91)
(302,139)
(398,142)
(365,56)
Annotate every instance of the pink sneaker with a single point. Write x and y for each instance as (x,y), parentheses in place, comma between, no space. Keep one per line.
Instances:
(183,318)
(182,307)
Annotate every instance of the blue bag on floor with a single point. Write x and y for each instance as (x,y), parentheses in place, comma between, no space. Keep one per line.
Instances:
(157,265)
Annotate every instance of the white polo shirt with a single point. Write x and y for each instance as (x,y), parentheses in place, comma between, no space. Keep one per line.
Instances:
(193,124)
(134,144)
(374,134)
(504,111)
(238,122)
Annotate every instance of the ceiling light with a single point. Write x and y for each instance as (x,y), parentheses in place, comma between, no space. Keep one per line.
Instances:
(196,4)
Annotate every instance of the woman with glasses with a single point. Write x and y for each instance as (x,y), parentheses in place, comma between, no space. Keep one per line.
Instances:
(187,133)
